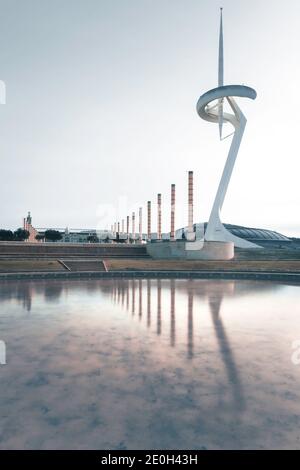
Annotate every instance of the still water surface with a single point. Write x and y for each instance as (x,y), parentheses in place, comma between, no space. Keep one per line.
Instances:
(156,364)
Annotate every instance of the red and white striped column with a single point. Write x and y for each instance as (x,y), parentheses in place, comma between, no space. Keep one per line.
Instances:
(172,232)
(159,216)
(149,220)
(127,228)
(141,225)
(190,232)
(133,227)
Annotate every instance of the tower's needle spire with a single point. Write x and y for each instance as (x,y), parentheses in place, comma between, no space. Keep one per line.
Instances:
(221,72)
(221,59)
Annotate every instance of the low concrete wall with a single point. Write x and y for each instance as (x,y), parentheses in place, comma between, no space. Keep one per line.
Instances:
(62,250)
(186,250)
(263,276)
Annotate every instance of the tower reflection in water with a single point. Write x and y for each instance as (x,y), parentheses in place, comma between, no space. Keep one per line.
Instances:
(162,296)
(131,294)
(181,314)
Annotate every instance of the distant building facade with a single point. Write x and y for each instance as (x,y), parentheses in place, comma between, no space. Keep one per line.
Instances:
(263,237)
(27,225)
(79,235)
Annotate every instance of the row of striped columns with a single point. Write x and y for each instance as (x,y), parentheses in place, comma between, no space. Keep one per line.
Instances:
(190,232)
(159,225)
(115,228)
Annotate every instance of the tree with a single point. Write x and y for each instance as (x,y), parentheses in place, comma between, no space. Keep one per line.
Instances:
(6,235)
(93,238)
(53,235)
(39,236)
(20,235)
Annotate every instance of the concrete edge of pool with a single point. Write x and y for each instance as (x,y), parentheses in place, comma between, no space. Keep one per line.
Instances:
(257,275)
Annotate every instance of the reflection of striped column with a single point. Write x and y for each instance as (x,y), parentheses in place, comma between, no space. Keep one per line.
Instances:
(149,220)
(115,228)
(111,228)
(172,330)
(119,291)
(127,295)
(159,216)
(158,331)
(148,302)
(127,229)
(172,234)
(122,225)
(114,292)
(190,325)
(140,224)
(133,296)
(133,227)
(118,227)
(122,294)
(140,299)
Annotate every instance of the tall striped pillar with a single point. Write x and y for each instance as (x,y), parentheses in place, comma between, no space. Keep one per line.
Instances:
(127,228)
(133,227)
(118,227)
(172,233)
(190,233)
(141,224)
(149,220)
(159,216)
(122,225)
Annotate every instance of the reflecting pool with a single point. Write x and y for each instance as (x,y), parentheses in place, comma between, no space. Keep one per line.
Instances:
(150,364)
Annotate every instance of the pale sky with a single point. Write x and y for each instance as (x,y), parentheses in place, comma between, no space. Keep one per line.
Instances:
(100,111)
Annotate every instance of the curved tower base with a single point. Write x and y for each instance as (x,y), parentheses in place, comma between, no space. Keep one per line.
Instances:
(198,250)
(217,232)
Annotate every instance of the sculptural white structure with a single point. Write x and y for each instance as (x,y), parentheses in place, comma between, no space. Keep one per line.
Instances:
(210,108)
